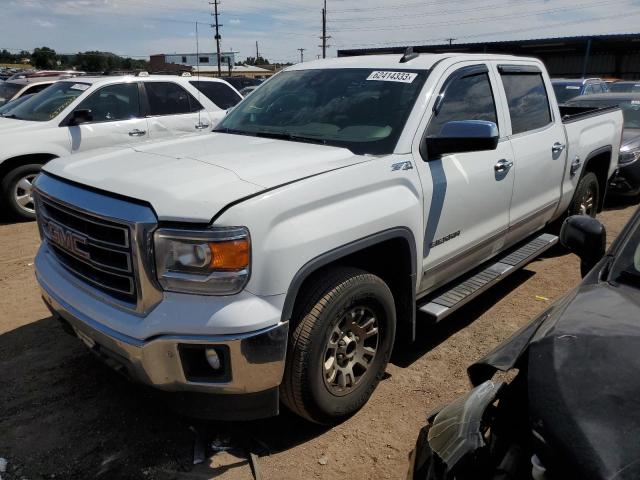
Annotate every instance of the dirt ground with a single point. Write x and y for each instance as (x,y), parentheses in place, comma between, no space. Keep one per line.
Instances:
(64,415)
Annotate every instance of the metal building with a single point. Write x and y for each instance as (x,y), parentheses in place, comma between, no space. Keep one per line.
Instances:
(616,56)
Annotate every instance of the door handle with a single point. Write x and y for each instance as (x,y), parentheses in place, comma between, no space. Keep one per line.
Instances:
(503,165)
(558,147)
(137,133)
(201,126)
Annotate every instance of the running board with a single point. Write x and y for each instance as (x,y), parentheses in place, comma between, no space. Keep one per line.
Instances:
(448,299)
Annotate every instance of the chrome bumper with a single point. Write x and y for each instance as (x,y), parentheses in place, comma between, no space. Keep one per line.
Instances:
(256,359)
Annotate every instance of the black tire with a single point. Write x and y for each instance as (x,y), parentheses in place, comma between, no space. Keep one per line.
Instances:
(321,311)
(588,186)
(8,186)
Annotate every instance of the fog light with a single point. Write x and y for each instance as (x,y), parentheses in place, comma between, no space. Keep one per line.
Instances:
(212,358)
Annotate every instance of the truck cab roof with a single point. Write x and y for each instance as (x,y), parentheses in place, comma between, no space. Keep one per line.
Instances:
(424,61)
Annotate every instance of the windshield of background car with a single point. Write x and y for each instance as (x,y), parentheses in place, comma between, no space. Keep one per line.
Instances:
(630,109)
(8,90)
(566,91)
(626,266)
(363,110)
(48,104)
(624,87)
(14,103)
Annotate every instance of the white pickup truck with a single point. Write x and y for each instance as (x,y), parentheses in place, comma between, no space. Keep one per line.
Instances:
(279,257)
(85,113)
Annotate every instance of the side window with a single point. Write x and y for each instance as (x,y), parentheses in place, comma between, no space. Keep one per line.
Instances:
(113,102)
(465,98)
(167,98)
(588,90)
(528,101)
(220,94)
(35,89)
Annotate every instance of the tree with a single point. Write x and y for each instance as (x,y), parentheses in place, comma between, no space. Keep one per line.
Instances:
(44,58)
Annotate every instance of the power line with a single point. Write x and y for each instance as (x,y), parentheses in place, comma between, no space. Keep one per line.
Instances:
(482,19)
(479,35)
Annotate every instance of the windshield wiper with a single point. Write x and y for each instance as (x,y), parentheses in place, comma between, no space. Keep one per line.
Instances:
(290,137)
(630,277)
(233,131)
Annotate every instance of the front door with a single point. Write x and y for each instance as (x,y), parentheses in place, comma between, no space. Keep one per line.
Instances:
(466,195)
(116,119)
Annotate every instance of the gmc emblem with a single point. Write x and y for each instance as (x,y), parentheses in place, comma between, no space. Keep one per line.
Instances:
(65,239)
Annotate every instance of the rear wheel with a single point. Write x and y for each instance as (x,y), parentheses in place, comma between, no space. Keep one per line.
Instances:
(16,190)
(342,336)
(587,196)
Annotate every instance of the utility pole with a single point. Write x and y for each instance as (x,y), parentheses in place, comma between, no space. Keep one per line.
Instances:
(450,40)
(257,52)
(324,36)
(301,50)
(217,26)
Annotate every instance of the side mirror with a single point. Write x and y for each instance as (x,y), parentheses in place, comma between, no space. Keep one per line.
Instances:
(463,136)
(587,238)
(81,116)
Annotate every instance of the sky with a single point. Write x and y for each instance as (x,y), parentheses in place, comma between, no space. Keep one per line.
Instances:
(139,28)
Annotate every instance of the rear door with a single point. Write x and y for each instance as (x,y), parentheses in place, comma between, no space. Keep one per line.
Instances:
(117,119)
(466,200)
(171,110)
(539,148)
(223,96)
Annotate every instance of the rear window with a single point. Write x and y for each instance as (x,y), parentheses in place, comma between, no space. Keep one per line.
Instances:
(528,101)
(167,98)
(220,94)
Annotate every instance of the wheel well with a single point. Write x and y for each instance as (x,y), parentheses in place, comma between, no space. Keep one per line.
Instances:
(393,260)
(598,163)
(11,163)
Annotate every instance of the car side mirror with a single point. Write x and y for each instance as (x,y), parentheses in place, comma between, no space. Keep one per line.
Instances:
(80,116)
(587,238)
(463,136)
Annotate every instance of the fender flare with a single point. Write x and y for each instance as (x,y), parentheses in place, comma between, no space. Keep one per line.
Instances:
(331,256)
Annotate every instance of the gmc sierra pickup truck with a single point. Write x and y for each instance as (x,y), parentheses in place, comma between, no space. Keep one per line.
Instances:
(280,256)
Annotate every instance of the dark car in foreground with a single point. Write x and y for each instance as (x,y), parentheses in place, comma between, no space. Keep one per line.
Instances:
(571,409)
(626,181)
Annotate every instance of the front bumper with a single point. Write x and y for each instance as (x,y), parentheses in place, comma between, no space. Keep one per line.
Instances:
(255,360)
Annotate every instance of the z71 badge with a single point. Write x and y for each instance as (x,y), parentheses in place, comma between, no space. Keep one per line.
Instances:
(401,166)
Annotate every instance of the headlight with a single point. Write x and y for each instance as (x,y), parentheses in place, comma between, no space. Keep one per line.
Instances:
(628,156)
(208,262)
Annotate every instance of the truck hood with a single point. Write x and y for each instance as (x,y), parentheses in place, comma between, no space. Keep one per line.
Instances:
(11,125)
(192,178)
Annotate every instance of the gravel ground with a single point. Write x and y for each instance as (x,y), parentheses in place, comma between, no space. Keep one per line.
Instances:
(64,415)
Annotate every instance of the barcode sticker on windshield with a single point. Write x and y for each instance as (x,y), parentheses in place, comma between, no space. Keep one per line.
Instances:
(79,86)
(402,77)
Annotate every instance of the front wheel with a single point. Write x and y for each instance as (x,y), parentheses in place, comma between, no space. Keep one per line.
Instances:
(342,337)
(587,197)
(16,190)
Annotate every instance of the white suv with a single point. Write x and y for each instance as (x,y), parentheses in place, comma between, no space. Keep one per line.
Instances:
(80,114)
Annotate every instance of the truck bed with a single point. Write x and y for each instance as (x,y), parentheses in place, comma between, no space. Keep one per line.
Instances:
(571,113)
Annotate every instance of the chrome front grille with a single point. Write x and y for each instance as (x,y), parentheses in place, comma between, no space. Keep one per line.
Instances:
(97,251)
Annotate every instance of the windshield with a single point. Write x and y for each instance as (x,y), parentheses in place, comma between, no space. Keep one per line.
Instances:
(626,267)
(8,90)
(624,87)
(48,104)
(14,103)
(360,109)
(566,91)
(630,109)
